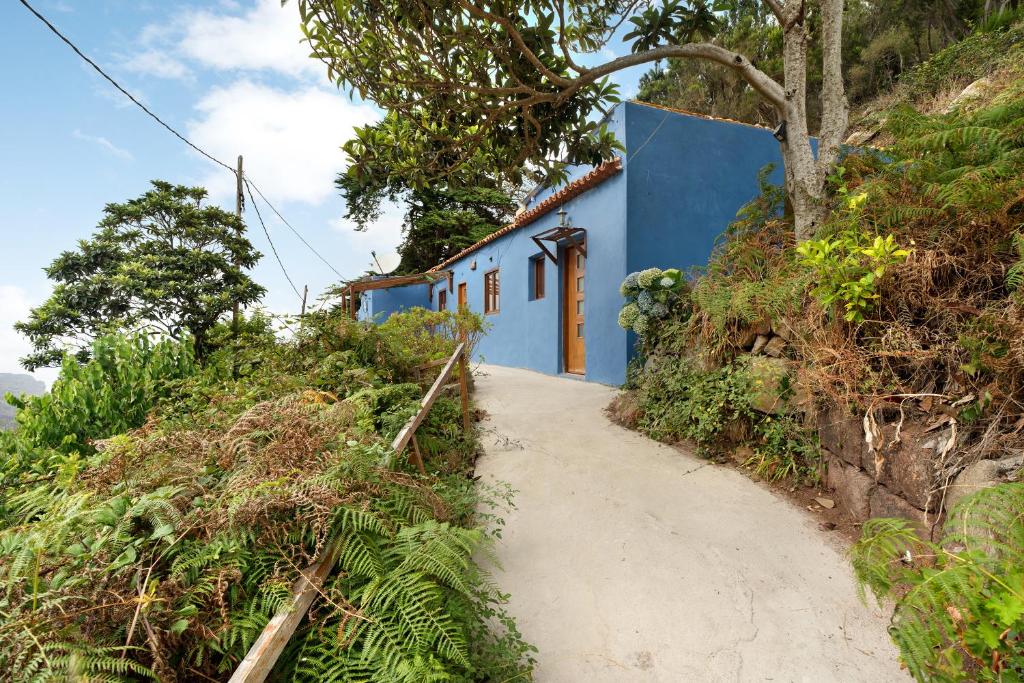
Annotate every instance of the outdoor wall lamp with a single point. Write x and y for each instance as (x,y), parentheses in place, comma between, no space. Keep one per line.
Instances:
(780,132)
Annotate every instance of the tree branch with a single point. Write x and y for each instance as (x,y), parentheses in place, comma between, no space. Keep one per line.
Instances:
(757,79)
(776,9)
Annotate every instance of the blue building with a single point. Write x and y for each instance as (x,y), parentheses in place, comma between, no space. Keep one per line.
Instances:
(548,283)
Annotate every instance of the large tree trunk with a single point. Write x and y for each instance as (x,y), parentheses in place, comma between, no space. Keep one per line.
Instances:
(806,175)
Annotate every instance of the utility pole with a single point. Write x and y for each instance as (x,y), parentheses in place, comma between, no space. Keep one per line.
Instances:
(239,200)
(305,291)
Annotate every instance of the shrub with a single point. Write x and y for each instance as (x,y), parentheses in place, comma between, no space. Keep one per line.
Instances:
(959,602)
(649,295)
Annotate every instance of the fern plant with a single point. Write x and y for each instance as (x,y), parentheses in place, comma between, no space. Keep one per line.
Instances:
(1015,273)
(959,611)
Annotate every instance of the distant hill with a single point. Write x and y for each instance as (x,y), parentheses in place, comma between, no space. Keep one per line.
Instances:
(16,384)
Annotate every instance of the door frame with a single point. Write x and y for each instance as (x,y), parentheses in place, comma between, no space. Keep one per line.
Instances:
(566,315)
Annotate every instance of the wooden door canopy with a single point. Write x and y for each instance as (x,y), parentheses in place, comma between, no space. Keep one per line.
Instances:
(577,237)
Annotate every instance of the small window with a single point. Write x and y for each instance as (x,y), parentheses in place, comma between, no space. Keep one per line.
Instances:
(492,292)
(442,300)
(537,268)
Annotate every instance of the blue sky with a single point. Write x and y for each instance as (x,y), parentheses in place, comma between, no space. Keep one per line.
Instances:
(230,74)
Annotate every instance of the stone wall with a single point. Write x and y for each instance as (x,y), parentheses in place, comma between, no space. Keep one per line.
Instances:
(901,476)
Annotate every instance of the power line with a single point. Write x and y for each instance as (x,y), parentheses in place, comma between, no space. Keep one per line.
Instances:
(117,85)
(326,262)
(178,135)
(272,247)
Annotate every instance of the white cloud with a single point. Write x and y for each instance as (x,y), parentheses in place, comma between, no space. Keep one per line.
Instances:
(291,140)
(383,236)
(156,63)
(14,306)
(105,144)
(264,37)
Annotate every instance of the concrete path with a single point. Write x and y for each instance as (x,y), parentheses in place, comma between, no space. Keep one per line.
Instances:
(628,560)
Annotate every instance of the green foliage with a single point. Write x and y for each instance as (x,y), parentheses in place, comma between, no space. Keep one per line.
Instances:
(784,449)
(1015,273)
(162,552)
(162,263)
(963,61)
(751,276)
(847,269)
(441,219)
(959,602)
(882,40)
(110,394)
(679,401)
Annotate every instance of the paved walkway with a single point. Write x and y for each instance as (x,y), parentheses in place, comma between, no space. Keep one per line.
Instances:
(628,560)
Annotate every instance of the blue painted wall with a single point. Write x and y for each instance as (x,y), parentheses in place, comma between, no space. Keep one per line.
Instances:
(688,177)
(683,180)
(379,304)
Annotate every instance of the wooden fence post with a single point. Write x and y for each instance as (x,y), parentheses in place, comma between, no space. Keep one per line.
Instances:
(464,390)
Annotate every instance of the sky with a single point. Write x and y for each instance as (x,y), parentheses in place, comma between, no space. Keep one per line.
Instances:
(234,77)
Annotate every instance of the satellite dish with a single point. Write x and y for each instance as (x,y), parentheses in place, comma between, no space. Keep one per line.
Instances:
(389,261)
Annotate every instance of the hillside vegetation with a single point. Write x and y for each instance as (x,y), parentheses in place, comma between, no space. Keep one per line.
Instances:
(156,512)
(903,318)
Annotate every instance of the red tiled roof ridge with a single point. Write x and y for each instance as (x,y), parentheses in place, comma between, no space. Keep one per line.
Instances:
(577,187)
(687,112)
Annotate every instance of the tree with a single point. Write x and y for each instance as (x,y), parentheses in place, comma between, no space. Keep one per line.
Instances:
(162,263)
(881,39)
(501,80)
(441,218)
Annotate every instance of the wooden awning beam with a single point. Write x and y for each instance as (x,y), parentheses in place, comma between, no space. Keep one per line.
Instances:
(558,234)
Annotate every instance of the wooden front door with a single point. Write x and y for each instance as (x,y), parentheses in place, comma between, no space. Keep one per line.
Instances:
(572,315)
(462,296)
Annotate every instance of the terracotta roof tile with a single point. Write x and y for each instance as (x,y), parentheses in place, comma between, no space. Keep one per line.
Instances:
(569,191)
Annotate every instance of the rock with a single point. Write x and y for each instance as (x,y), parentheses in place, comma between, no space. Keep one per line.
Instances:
(762,327)
(842,434)
(974,91)
(745,338)
(784,329)
(884,503)
(982,475)
(859,137)
(908,468)
(741,454)
(826,503)
(768,380)
(852,487)
(775,347)
(759,344)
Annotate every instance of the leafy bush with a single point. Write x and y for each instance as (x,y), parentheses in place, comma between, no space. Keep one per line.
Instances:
(681,402)
(649,295)
(847,269)
(959,602)
(784,449)
(109,394)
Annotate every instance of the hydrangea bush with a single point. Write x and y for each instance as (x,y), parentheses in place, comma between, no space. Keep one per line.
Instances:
(649,294)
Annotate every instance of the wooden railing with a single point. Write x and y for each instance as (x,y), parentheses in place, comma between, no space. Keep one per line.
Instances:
(263,654)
